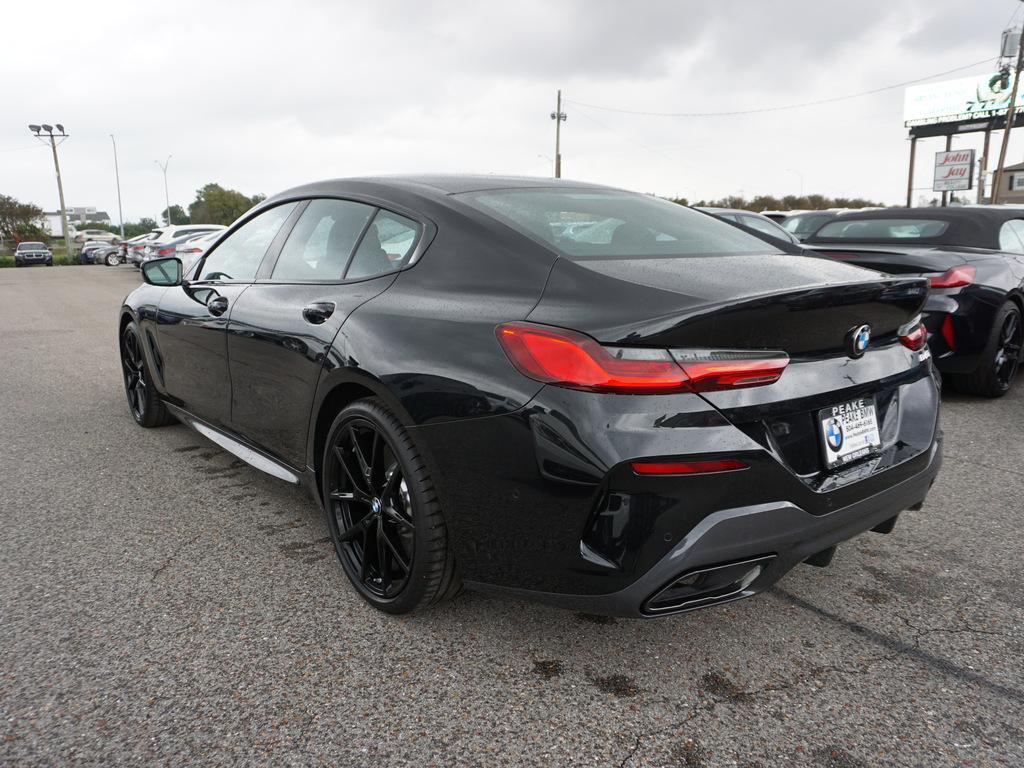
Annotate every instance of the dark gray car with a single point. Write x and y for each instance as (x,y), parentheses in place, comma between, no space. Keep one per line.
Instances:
(32,252)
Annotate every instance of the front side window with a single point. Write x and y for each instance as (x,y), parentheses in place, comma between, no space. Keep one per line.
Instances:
(386,246)
(322,240)
(610,224)
(238,256)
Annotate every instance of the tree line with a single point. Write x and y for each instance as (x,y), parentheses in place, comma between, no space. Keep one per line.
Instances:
(786,203)
(214,204)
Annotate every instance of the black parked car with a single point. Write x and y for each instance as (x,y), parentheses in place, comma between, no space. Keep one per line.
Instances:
(974,260)
(28,253)
(663,414)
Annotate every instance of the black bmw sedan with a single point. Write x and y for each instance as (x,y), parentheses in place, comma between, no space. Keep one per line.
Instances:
(562,391)
(973,258)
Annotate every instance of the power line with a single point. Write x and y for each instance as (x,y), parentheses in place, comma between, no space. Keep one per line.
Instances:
(780,108)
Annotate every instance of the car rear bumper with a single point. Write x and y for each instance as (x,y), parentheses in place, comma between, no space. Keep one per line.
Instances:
(545,503)
(964,318)
(754,545)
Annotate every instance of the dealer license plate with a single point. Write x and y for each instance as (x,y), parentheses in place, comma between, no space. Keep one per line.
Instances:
(849,431)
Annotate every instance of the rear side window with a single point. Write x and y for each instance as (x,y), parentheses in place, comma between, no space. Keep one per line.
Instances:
(385,247)
(322,240)
(805,225)
(882,229)
(238,256)
(1011,236)
(583,223)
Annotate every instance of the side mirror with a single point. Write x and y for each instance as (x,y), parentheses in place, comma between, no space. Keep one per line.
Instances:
(162,272)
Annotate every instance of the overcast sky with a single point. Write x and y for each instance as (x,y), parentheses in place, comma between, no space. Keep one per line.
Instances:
(262,96)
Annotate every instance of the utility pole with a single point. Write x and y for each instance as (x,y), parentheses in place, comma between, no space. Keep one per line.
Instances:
(167,198)
(559,117)
(117,175)
(38,130)
(1011,113)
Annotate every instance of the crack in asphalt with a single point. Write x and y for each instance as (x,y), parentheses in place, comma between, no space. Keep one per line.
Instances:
(901,648)
(898,647)
(171,557)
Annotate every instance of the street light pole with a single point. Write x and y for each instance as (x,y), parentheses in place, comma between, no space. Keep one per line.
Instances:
(1011,113)
(38,131)
(559,117)
(117,175)
(167,198)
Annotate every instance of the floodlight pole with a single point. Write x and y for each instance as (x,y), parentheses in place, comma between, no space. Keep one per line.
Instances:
(167,198)
(117,176)
(1011,113)
(559,117)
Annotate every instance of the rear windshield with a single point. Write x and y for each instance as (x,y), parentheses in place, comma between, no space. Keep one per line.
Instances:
(805,225)
(882,229)
(583,223)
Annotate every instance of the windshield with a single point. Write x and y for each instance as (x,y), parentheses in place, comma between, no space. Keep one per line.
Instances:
(586,223)
(805,225)
(30,246)
(882,229)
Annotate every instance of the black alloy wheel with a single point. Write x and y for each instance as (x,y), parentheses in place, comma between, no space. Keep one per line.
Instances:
(1007,357)
(1001,358)
(382,511)
(146,408)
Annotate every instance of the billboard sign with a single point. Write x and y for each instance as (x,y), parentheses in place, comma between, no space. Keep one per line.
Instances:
(954,171)
(962,99)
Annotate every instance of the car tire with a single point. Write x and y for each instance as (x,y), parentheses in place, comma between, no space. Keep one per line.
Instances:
(112,260)
(145,406)
(1001,358)
(49,263)
(384,510)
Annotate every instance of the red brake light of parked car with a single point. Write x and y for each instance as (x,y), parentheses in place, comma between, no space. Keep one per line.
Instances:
(913,335)
(166,251)
(570,359)
(957,277)
(947,332)
(687,467)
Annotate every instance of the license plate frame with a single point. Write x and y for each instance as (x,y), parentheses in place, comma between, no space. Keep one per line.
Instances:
(857,431)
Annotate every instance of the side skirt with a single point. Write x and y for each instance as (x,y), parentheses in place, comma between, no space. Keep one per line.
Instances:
(237,447)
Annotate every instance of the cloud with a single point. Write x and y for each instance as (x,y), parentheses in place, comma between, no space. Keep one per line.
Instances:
(263,95)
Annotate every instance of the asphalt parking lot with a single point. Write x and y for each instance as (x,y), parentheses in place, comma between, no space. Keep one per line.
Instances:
(163,603)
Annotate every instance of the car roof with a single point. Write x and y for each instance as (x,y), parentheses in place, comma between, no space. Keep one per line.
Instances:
(436,185)
(970,227)
(731,210)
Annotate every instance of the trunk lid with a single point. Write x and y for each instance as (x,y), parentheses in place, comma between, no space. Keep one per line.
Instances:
(804,306)
(899,260)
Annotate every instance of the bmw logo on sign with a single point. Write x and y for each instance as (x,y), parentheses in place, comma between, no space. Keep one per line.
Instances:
(857,340)
(834,435)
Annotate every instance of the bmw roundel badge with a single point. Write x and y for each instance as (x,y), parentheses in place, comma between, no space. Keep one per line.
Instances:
(857,340)
(834,435)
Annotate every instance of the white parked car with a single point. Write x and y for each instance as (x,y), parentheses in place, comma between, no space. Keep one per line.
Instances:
(190,251)
(163,245)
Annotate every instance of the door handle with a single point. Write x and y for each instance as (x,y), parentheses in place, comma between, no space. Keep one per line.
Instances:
(318,312)
(217,306)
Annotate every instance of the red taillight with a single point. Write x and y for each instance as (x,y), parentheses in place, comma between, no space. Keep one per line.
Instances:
(570,359)
(687,467)
(947,332)
(166,251)
(957,277)
(710,370)
(914,336)
(191,250)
